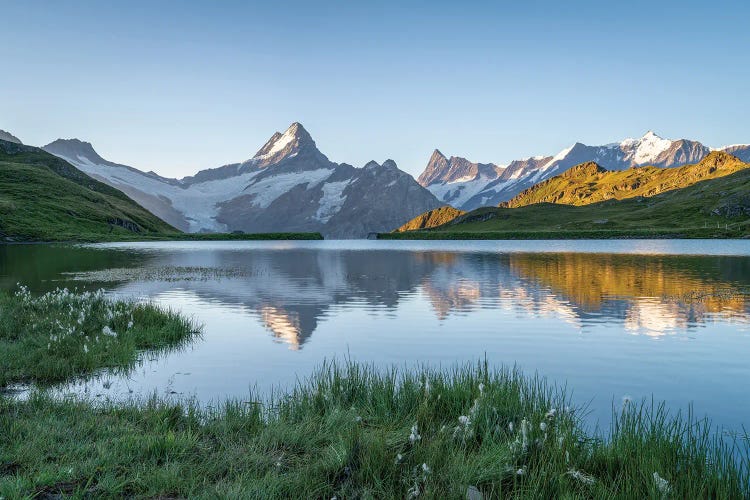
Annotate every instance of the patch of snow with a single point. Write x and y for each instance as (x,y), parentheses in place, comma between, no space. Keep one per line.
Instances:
(267,189)
(457,193)
(559,156)
(282,142)
(332,200)
(649,147)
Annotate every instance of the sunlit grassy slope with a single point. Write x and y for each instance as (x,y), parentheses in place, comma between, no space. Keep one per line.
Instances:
(43,197)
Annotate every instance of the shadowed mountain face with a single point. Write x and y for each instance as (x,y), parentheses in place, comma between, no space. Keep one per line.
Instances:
(289,292)
(7,136)
(288,186)
(475,189)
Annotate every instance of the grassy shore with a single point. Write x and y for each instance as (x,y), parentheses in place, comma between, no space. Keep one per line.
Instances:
(558,234)
(61,334)
(349,431)
(353,432)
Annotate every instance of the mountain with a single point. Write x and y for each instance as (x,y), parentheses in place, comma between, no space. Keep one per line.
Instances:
(707,199)
(8,137)
(43,197)
(432,218)
(468,194)
(288,185)
(590,183)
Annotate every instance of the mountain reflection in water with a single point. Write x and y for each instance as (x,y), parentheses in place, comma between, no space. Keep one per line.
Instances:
(290,291)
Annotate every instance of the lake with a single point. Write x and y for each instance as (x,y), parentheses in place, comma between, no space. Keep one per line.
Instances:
(612,319)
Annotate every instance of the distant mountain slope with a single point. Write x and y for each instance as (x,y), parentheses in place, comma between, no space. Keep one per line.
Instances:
(708,206)
(7,136)
(433,218)
(288,185)
(470,193)
(45,198)
(590,183)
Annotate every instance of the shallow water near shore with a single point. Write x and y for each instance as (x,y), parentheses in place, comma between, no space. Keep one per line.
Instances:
(613,319)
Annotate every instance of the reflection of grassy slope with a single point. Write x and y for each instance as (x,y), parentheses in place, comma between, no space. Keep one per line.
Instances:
(45,198)
(587,279)
(717,207)
(589,183)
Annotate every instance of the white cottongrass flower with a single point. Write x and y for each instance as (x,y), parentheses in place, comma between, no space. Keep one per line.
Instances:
(510,426)
(662,484)
(426,386)
(481,388)
(525,434)
(542,426)
(464,420)
(357,418)
(426,468)
(551,413)
(130,324)
(399,458)
(109,332)
(85,349)
(414,436)
(521,471)
(626,400)
(581,477)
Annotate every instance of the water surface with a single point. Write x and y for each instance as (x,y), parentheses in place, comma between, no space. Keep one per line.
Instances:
(612,319)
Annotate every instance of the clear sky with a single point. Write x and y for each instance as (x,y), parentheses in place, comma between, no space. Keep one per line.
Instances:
(180,86)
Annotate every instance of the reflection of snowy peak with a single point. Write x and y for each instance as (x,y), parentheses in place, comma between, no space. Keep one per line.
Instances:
(289,185)
(468,194)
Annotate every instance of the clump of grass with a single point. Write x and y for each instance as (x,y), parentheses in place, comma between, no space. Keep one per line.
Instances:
(62,334)
(352,431)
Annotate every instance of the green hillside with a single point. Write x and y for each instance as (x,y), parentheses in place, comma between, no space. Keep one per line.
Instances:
(717,207)
(44,198)
(589,183)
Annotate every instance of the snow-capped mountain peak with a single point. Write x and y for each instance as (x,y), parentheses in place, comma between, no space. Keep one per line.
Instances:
(286,145)
(649,147)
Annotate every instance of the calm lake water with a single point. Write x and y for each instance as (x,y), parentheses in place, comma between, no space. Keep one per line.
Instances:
(610,319)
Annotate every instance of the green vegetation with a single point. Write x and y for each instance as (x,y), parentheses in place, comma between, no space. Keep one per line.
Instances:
(431,218)
(354,432)
(61,334)
(44,198)
(714,208)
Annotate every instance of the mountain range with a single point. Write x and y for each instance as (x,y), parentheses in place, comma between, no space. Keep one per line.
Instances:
(288,185)
(465,185)
(710,198)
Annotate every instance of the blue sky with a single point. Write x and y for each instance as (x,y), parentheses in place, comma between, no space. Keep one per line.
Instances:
(180,86)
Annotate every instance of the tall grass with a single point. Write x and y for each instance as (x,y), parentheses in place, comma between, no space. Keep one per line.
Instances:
(62,334)
(352,431)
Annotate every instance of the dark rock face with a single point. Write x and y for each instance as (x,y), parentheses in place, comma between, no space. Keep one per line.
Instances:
(7,136)
(741,151)
(441,169)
